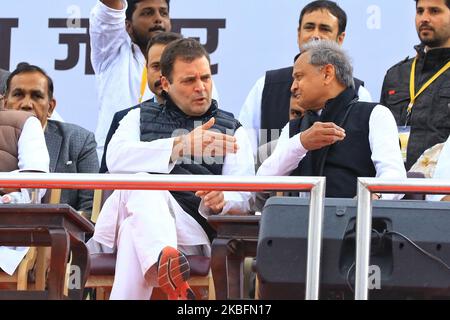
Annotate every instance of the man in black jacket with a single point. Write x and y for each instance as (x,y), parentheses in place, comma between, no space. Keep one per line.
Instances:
(422,107)
(175,138)
(155,47)
(267,105)
(340,137)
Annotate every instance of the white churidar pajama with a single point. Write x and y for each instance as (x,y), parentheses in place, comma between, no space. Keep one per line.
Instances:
(141,223)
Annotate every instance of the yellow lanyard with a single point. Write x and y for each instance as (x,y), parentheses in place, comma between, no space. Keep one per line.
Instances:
(143,84)
(412,90)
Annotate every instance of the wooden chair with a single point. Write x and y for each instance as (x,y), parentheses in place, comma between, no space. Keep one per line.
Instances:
(19,279)
(103,266)
(33,259)
(53,196)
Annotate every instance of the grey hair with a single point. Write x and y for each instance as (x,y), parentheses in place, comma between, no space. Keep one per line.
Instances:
(323,52)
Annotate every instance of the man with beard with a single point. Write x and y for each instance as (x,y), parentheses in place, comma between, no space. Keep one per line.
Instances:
(417,90)
(154,51)
(120,31)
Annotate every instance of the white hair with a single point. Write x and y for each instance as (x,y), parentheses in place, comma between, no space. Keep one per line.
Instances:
(325,52)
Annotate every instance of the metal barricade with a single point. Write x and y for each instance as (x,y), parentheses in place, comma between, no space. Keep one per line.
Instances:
(316,185)
(367,186)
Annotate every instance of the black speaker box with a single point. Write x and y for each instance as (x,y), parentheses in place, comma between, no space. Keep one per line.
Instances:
(405,271)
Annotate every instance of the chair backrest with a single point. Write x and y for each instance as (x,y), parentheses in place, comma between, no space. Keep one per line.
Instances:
(52,196)
(35,258)
(100,197)
(414,196)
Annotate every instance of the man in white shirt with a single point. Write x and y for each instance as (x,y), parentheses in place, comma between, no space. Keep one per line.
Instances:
(174,139)
(154,51)
(340,137)
(266,107)
(119,32)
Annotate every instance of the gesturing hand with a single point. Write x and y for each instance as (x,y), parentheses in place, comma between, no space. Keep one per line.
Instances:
(213,200)
(321,135)
(203,142)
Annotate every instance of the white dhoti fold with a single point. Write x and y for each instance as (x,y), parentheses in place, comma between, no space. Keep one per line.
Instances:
(10,258)
(140,224)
